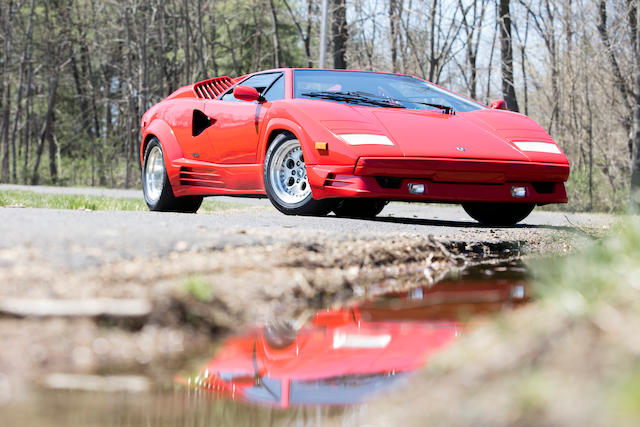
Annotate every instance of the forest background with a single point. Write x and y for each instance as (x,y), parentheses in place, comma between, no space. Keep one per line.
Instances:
(76,75)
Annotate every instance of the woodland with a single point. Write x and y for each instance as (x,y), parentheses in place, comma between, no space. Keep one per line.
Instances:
(76,75)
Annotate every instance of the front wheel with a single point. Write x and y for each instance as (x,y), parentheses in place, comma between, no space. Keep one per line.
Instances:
(156,186)
(285,179)
(498,214)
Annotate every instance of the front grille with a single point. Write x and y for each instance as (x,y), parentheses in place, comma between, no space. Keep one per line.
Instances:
(389,182)
(210,89)
(544,187)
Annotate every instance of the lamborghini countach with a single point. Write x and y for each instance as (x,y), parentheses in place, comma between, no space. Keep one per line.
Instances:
(319,141)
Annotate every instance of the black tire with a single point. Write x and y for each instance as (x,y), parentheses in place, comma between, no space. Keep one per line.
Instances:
(498,214)
(308,205)
(359,208)
(166,201)
(279,335)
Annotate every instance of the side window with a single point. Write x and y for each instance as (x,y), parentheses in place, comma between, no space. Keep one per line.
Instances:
(276,91)
(259,82)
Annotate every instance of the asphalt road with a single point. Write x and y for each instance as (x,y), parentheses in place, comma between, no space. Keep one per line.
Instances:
(77,239)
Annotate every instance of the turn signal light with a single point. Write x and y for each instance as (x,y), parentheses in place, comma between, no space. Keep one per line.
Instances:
(322,146)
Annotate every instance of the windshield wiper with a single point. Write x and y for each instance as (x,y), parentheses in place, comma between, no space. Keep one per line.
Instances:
(447,109)
(356,97)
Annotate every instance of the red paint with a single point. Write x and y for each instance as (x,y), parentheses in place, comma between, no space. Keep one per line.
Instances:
(499,104)
(245,93)
(469,156)
(384,337)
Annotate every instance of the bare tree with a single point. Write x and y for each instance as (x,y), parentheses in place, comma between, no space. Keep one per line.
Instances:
(506,55)
(339,34)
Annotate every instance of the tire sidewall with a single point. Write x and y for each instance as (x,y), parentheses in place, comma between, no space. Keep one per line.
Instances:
(498,214)
(165,180)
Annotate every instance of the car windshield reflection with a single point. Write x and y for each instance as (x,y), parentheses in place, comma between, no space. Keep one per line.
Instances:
(377,89)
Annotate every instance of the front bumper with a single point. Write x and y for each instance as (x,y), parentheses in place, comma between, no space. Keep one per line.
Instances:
(444,180)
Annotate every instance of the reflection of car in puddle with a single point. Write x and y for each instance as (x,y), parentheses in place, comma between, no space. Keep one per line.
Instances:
(345,356)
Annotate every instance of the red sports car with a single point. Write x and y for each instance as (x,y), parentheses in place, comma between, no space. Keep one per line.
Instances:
(315,141)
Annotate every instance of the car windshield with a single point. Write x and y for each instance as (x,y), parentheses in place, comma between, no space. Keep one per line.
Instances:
(377,90)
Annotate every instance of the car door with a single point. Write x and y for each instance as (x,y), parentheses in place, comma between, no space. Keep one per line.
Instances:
(234,136)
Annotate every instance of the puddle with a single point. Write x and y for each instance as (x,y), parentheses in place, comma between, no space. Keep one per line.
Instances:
(326,366)
(349,355)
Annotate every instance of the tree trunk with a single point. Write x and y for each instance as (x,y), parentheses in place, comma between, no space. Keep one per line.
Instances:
(203,66)
(187,40)
(26,57)
(393,33)
(506,50)
(277,54)
(46,125)
(4,134)
(635,162)
(339,34)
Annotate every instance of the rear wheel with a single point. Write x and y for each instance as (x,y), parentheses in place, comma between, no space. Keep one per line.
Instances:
(500,214)
(359,208)
(285,179)
(157,188)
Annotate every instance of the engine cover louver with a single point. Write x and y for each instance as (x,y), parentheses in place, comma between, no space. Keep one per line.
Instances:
(210,89)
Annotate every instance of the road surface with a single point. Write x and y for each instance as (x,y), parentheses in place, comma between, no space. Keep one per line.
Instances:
(75,239)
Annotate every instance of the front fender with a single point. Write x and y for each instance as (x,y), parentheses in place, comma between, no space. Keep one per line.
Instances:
(308,131)
(277,124)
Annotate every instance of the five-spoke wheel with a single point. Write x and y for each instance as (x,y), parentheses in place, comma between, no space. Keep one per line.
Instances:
(285,179)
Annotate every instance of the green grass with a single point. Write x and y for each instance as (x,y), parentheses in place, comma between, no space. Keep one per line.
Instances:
(30,199)
(199,287)
(603,270)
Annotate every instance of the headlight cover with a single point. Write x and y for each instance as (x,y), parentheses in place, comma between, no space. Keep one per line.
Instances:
(365,139)
(540,147)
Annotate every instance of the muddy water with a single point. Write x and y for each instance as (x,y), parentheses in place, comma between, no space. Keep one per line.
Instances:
(323,367)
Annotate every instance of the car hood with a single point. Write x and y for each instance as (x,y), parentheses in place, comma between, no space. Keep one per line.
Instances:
(435,134)
(485,134)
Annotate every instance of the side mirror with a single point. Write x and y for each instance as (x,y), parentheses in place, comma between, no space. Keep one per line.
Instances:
(498,104)
(246,93)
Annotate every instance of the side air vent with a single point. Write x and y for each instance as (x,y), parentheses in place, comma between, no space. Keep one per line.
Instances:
(210,89)
(200,177)
(200,122)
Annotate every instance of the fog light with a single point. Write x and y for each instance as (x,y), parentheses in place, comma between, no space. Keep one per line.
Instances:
(416,188)
(518,191)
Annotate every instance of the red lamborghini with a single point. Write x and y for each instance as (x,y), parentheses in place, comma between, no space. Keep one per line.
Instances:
(316,141)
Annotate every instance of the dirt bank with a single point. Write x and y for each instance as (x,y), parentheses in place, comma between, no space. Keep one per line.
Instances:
(131,315)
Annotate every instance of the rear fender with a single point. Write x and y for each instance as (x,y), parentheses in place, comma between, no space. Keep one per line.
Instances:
(170,147)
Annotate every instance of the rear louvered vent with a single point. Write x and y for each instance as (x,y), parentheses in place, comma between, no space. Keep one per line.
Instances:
(199,177)
(210,89)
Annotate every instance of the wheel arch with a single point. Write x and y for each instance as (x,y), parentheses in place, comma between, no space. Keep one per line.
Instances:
(171,150)
(279,126)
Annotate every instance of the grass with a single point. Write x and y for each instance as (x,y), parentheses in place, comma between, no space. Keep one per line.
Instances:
(570,358)
(597,273)
(197,286)
(30,199)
